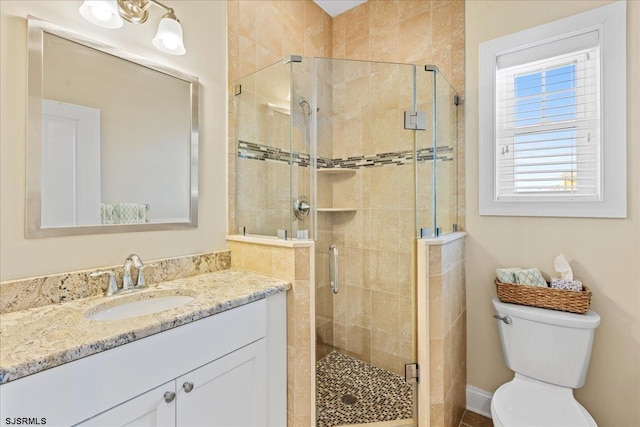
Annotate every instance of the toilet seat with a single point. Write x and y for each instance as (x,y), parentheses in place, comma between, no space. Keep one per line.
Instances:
(525,402)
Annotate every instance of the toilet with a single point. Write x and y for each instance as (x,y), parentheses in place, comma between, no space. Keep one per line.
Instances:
(549,351)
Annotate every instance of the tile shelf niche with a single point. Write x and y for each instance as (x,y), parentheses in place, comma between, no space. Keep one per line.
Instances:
(336,171)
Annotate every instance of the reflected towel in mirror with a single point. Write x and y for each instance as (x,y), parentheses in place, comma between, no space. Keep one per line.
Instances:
(124,213)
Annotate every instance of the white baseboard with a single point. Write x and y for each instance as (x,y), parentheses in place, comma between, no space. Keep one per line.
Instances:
(479,401)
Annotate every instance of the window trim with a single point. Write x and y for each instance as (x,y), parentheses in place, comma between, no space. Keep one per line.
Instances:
(610,22)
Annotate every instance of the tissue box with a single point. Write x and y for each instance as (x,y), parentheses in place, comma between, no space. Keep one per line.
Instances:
(568,285)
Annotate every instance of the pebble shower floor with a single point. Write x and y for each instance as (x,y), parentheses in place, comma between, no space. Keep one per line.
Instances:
(349,391)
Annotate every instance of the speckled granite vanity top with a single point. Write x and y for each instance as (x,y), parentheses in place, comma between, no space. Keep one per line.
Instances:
(44,337)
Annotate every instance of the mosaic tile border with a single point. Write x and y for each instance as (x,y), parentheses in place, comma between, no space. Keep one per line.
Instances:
(33,292)
(251,150)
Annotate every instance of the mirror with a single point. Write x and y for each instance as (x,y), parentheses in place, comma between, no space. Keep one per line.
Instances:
(112,139)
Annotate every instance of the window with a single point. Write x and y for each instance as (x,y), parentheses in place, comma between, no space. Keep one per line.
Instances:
(548,147)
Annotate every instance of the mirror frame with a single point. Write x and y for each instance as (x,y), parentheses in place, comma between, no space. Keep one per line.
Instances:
(33,223)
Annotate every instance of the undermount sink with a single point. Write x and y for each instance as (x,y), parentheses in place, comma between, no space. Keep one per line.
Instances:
(127,309)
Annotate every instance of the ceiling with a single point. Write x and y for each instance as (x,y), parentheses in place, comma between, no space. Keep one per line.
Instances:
(336,7)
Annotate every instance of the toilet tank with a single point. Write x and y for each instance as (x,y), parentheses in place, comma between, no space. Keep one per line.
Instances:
(547,345)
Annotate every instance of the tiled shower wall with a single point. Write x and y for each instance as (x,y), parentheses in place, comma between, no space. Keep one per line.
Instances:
(371,317)
(412,32)
(373,312)
(447,332)
(376,241)
(261,33)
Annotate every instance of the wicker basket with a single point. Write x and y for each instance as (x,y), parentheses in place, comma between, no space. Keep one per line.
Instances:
(536,296)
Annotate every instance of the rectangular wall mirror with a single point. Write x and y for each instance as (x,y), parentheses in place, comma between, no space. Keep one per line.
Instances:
(112,139)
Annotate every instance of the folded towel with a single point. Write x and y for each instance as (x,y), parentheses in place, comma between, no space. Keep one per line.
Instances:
(530,277)
(106,213)
(507,275)
(566,284)
(129,213)
(123,213)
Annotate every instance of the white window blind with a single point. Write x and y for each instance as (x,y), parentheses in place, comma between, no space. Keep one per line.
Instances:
(548,141)
(552,118)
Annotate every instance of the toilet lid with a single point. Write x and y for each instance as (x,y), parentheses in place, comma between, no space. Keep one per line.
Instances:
(523,403)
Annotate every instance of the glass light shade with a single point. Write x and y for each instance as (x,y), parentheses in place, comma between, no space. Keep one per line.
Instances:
(168,39)
(103,13)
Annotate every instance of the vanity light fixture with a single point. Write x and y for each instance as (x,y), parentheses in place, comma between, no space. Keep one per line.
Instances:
(110,14)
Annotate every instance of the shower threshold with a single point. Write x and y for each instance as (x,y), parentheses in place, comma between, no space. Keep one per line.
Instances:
(350,392)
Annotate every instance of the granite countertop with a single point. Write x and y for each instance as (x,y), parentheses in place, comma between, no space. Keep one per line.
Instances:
(44,337)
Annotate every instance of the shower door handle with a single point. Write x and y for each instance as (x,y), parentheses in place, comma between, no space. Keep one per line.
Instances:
(333,268)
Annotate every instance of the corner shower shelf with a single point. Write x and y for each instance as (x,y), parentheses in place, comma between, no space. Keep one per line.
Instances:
(336,209)
(336,171)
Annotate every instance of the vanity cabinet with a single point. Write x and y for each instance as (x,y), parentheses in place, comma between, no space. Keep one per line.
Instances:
(148,409)
(226,369)
(225,392)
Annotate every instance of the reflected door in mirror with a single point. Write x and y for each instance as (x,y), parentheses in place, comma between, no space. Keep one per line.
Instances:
(70,165)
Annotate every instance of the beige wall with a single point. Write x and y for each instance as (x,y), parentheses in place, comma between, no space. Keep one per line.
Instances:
(205,40)
(605,252)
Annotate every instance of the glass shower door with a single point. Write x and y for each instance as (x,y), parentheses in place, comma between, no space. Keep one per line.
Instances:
(437,154)
(263,152)
(446,143)
(365,207)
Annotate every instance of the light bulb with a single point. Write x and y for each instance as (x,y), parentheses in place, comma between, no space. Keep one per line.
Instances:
(170,41)
(103,13)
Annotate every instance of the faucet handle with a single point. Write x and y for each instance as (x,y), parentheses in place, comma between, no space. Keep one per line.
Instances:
(141,283)
(113,286)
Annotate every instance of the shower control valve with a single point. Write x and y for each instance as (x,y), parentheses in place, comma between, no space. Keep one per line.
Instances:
(301,207)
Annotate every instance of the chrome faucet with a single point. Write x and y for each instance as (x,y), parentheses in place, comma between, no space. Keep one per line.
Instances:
(132,260)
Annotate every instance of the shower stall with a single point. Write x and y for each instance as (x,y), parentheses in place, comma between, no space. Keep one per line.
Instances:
(361,158)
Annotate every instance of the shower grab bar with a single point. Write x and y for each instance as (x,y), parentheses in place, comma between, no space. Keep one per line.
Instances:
(333,268)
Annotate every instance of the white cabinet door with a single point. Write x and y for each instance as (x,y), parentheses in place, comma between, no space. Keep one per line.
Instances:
(151,409)
(228,392)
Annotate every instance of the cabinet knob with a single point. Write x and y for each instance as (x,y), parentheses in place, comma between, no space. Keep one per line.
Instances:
(188,386)
(169,396)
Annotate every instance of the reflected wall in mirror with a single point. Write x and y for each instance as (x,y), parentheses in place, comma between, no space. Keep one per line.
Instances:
(112,144)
